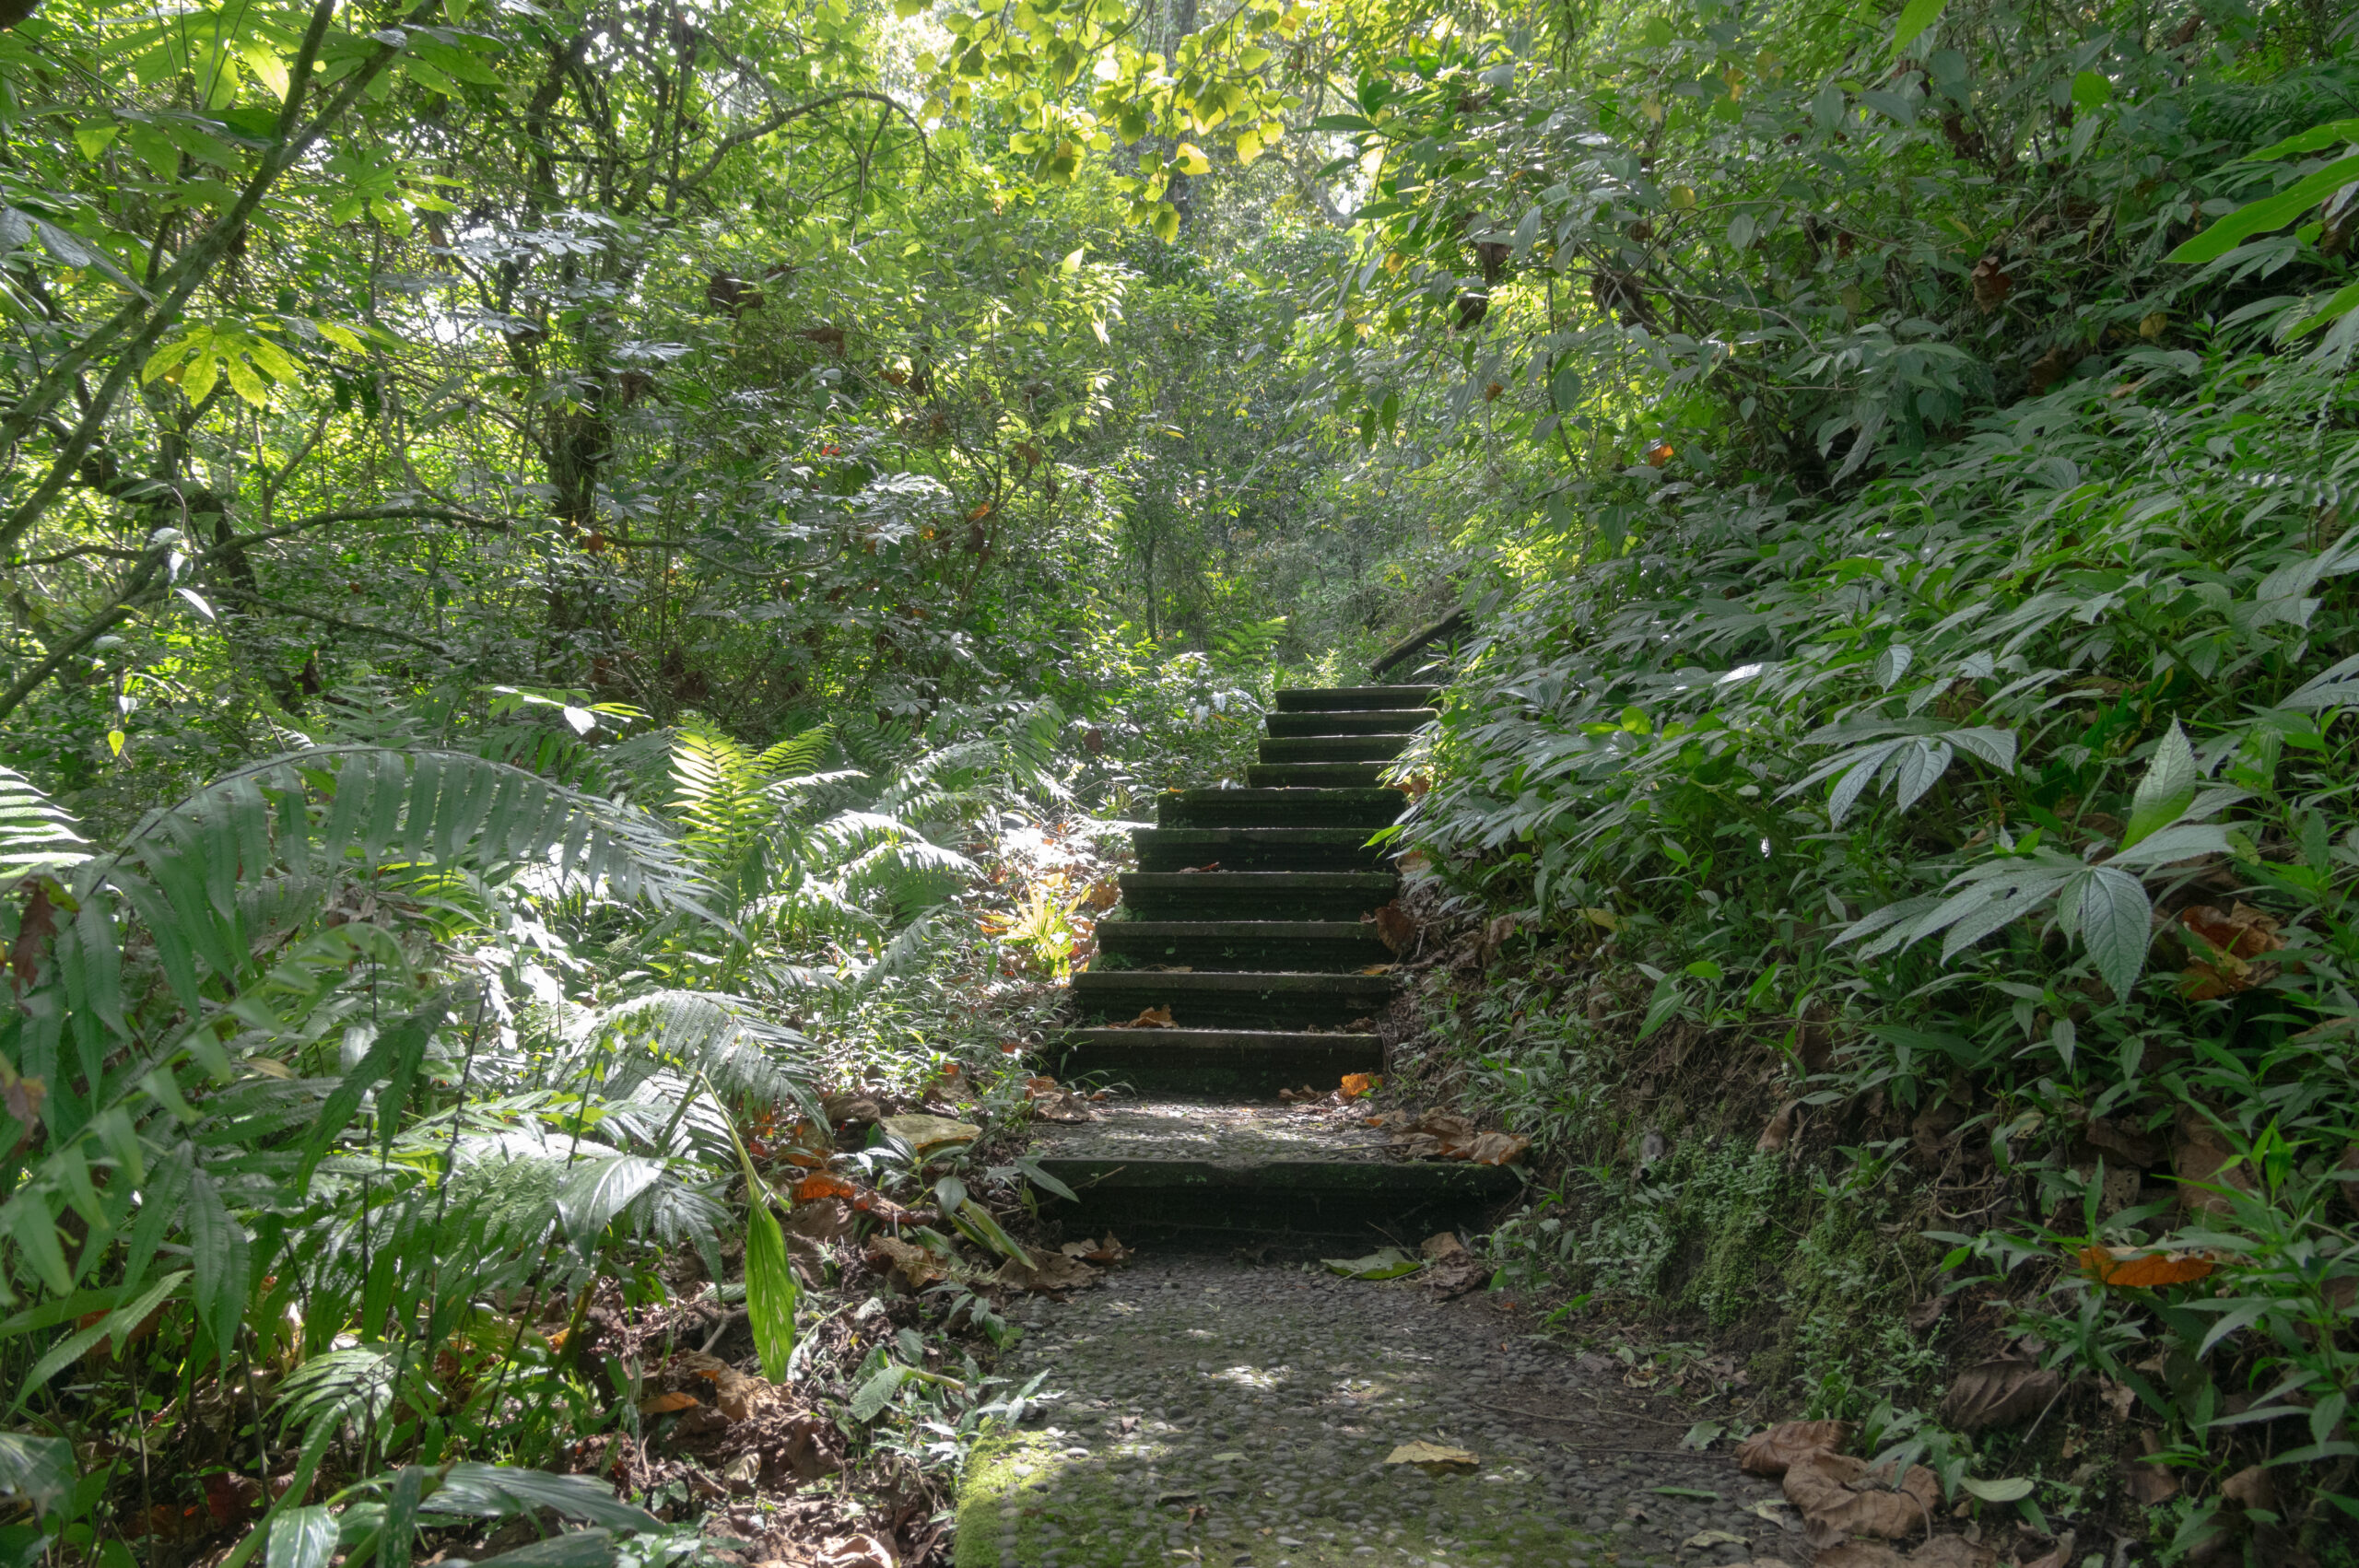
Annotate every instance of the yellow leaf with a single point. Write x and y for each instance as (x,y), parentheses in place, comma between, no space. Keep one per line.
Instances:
(1190,159)
(267,67)
(114,742)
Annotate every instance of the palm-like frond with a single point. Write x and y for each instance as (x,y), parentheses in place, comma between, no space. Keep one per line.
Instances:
(36,838)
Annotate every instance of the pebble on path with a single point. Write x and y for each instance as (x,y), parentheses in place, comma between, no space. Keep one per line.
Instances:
(1217,1413)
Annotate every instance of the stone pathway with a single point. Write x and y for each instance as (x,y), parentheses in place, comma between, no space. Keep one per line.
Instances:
(1215,1413)
(1246,956)
(1210,1411)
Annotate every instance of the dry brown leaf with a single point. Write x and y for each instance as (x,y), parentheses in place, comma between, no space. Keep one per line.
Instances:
(1858,1554)
(1491,1149)
(1774,1452)
(2061,1557)
(1356,1085)
(2122,1145)
(1434,1458)
(1840,1496)
(1442,1246)
(1207,866)
(1152,1018)
(926,1134)
(855,1106)
(1046,1271)
(2251,1487)
(1394,927)
(2139,1267)
(1109,1251)
(664,1404)
(2151,1484)
(2198,1155)
(741,1397)
(1376,969)
(858,1551)
(821,1185)
(1998,1392)
(910,1265)
(1782,1128)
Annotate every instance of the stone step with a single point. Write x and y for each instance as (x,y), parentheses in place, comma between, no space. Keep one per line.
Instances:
(1312,775)
(1369,809)
(1311,699)
(1189,1167)
(1245,1061)
(1257,848)
(1348,721)
(1269,895)
(1332,748)
(1295,945)
(1232,999)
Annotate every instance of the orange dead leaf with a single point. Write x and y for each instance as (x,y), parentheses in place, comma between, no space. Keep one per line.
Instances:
(664,1404)
(1658,452)
(980,513)
(1152,1018)
(821,1185)
(2134,1267)
(1207,866)
(1358,1083)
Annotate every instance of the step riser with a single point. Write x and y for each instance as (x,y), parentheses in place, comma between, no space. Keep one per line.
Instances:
(1313,775)
(1322,748)
(1216,902)
(1231,850)
(1180,1199)
(1257,1071)
(1330,699)
(1233,944)
(1333,1001)
(1376,721)
(1364,809)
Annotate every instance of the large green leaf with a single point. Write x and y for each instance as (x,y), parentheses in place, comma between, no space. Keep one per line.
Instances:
(770,1291)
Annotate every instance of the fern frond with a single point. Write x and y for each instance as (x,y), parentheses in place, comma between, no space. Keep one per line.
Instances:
(37,835)
(702,1031)
(379,806)
(797,754)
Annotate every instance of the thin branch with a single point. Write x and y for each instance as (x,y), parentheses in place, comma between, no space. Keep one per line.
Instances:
(730,143)
(239,595)
(137,586)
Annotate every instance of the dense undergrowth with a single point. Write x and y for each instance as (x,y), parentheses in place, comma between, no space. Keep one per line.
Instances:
(1938,903)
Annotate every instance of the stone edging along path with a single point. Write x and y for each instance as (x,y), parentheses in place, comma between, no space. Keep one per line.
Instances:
(1210,1410)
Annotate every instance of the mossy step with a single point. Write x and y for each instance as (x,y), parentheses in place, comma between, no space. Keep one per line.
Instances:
(1364,808)
(1269,895)
(1313,775)
(1350,721)
(1245,1062)
(1257,848)
(1332,748)
(1308,700)
(1230,998)
(1245,944)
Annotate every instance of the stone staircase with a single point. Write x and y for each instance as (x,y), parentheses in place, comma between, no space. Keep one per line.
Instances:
(1246,921)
